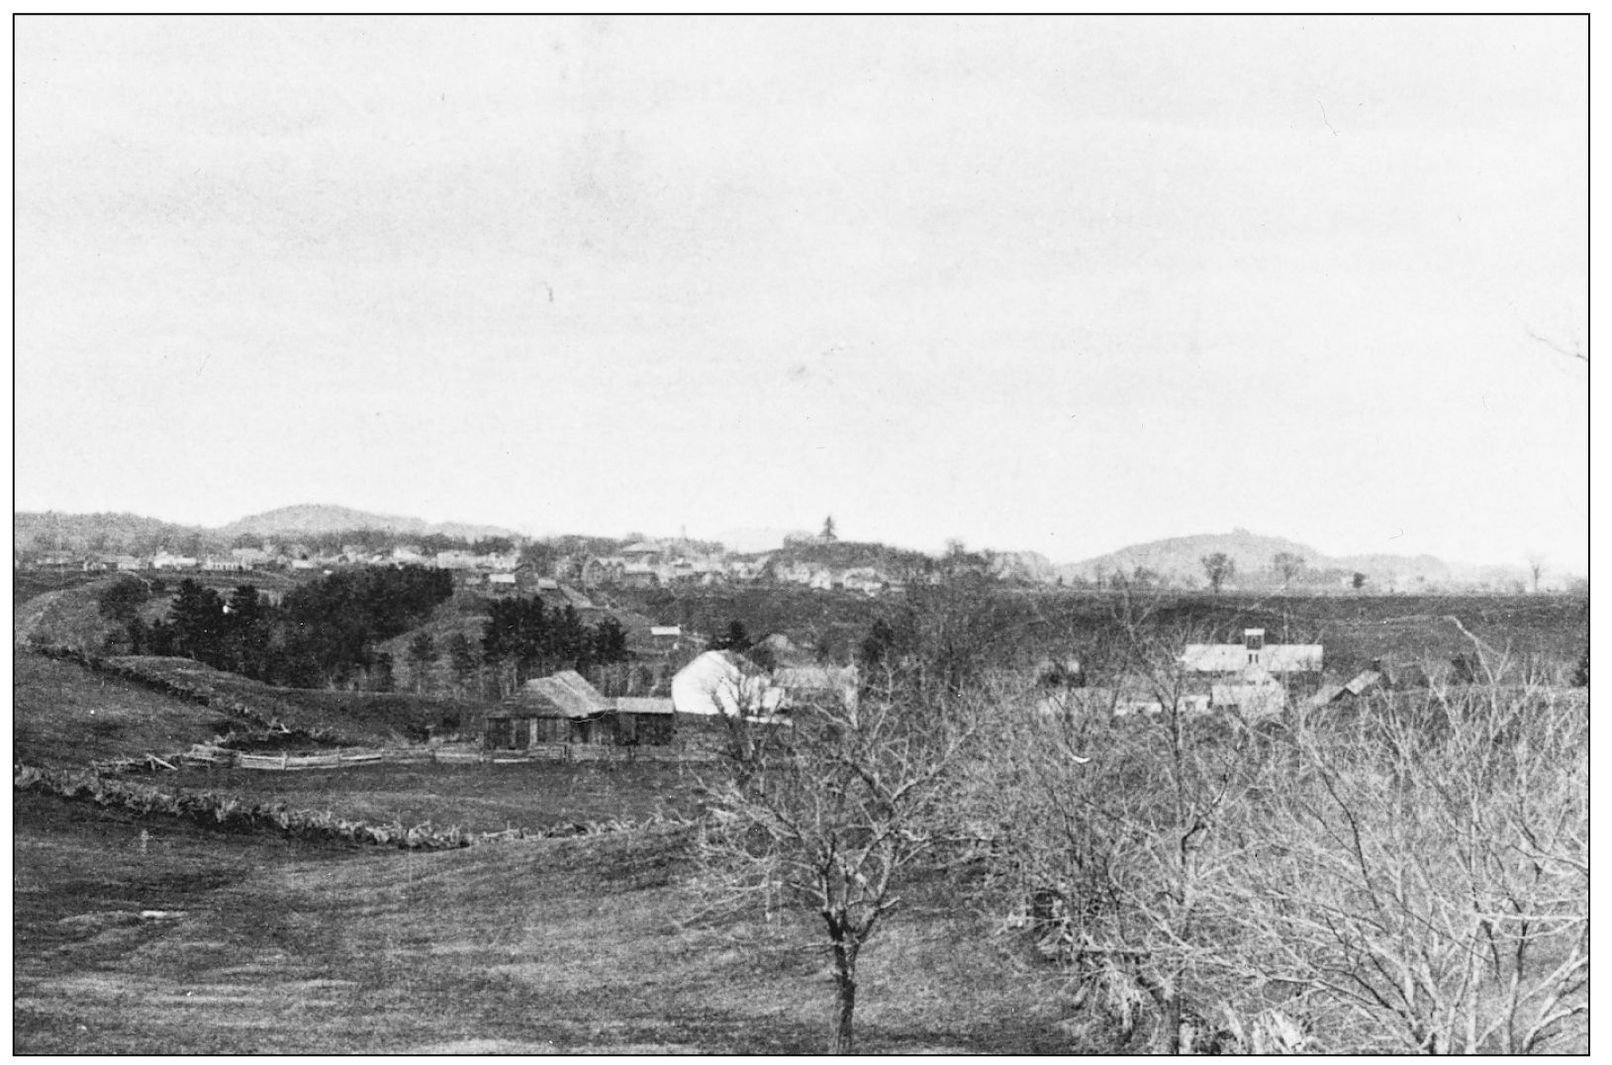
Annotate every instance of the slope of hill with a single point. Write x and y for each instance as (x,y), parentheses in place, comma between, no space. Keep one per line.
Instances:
(311,519)
(1179,559)
(848,554)
(120,533)
(65,715)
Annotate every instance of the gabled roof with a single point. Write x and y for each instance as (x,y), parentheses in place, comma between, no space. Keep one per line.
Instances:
(637,705)
(565,694)
(1231,657)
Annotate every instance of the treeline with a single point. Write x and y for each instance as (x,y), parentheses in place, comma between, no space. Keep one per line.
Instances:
(329,633)
(525,639)
(378,540)
(325,633)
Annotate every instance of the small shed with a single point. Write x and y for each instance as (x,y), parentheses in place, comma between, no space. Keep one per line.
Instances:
(563,708)
(645,722)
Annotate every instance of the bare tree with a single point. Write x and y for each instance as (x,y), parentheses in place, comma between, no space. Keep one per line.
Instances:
(836,811)
(1111,828)
(1536,566)
(1424,883)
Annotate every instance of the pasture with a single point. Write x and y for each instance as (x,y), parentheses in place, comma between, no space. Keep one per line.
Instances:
(65,715)
(186,942)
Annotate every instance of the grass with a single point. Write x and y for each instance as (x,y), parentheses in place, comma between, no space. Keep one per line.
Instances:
(66,715)
(480,798)
(378,718)
(557,946)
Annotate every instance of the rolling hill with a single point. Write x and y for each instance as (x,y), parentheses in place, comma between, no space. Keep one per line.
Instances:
(1179,559)
(311,519)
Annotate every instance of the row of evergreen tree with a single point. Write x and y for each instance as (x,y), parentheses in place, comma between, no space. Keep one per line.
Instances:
(324,634)
(329,632)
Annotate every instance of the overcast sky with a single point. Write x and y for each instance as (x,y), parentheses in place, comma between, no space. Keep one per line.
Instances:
(1059,285)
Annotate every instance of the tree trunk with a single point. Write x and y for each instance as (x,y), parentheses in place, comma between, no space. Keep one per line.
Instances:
(845,983)
(843,1042)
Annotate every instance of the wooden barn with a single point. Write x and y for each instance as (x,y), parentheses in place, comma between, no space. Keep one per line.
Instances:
(645,722)
(563,708)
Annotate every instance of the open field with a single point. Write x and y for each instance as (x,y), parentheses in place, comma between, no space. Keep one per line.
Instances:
(66,715)
(1546,629)
(361,717)
(252,944)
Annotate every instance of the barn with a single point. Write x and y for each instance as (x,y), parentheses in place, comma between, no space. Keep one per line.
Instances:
(563,708)
(645,722)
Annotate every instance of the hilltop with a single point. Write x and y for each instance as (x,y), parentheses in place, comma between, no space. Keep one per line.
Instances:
(53,531)
(38,532)
(1179,560)
(314,519)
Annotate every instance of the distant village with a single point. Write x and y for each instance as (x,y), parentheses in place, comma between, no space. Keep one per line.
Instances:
(639,564)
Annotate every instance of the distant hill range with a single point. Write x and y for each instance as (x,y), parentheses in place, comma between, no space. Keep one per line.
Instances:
(315,519)
(82,533)
(1176,562)
(133,534)
(1179,561)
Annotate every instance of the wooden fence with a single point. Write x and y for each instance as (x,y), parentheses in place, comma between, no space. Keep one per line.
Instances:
(224,757)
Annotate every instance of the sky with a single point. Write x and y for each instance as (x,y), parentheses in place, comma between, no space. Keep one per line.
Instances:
(1059,285)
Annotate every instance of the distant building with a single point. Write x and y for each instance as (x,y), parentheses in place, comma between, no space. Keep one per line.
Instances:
(1279,658)
(164,560)
(1254,678)
(249,556)
(805,685)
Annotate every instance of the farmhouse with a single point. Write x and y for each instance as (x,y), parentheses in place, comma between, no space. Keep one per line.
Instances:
(1253,677)
(563,708)
(1280,659)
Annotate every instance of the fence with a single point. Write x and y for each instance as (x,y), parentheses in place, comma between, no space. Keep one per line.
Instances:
(233,813)
(224,757)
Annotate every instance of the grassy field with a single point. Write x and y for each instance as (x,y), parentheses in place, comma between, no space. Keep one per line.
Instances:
(66,715)
(1550,629)
(585,945)
(358,717)
(480,798)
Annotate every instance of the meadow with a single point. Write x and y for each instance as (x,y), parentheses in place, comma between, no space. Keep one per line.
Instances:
(154,938)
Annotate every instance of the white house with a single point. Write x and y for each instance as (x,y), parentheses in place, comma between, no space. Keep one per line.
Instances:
(164,560)
(717,683)
(1252,677)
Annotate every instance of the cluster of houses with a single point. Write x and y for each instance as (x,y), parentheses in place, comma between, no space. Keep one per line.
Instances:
(655,563)
(565,708)
(273,556)
(642,564)
(1253,679)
